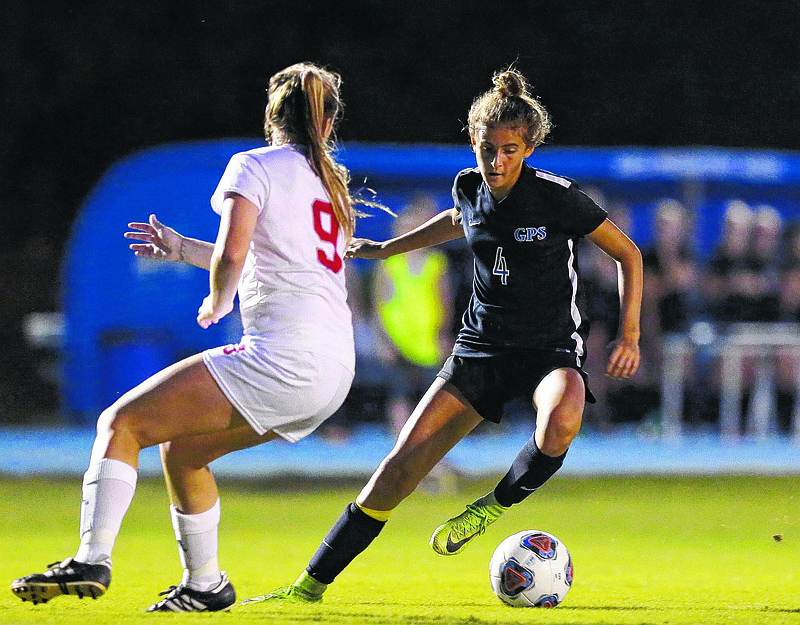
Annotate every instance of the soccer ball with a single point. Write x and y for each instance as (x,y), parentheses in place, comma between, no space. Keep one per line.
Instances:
(531,569)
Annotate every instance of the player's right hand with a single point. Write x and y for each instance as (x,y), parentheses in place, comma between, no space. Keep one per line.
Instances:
(160,242)
(209,314)
(364,248)
(624,358)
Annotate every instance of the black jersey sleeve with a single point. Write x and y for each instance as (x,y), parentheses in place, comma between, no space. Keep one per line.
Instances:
(581,214)
(465,187)
(457,201)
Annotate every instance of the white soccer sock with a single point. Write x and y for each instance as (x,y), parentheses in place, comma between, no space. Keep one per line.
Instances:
(198,541)
(108,488)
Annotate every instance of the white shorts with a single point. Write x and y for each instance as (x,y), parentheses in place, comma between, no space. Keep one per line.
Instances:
(288,392)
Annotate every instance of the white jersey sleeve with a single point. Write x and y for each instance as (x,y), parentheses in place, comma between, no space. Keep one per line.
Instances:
(243,175)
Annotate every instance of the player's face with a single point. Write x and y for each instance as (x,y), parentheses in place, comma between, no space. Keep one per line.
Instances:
(500,152)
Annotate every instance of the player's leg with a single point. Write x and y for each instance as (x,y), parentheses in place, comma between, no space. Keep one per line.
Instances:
(441,419)
(195,514)
(559,399)
(181,400)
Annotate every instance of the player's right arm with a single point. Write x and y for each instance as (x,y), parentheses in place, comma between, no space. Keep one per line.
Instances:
(161,242)
(625,356)
(438,229)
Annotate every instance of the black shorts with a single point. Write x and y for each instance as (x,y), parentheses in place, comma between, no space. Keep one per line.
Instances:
(489,382)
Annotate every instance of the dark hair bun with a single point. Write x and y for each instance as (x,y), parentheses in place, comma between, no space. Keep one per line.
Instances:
(510,84)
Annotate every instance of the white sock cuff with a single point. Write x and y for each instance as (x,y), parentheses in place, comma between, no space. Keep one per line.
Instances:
(185,524)
(108,468)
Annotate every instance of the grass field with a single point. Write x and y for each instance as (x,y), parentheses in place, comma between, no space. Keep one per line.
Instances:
(646,550)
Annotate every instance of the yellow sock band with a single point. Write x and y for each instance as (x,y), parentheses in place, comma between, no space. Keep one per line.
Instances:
(310,585)
(378,515)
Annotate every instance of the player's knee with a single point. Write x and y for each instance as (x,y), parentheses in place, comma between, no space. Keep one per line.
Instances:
(119,422)
(109,422)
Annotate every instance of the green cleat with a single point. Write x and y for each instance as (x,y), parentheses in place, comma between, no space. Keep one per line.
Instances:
(453,537)
(290,593)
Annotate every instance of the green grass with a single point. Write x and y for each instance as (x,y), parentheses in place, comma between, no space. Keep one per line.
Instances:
(646,550)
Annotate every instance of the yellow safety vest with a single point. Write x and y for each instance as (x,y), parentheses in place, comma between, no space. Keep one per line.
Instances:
(414,315)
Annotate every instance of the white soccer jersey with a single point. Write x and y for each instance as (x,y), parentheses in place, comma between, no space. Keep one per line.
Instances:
(292,292)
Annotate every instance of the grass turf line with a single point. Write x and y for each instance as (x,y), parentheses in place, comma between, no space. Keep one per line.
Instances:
(646,550)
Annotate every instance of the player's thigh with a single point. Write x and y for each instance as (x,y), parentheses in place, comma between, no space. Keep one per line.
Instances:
(181,400)
(441,419)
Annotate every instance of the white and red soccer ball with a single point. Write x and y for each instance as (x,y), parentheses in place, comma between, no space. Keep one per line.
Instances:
(531,569)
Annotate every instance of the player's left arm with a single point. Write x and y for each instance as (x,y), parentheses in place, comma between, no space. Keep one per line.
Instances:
(624,359)
(237,224)
(160,242)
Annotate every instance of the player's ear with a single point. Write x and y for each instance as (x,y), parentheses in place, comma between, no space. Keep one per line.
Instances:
(529,150)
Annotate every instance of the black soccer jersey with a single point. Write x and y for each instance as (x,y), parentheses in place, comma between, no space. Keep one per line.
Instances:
(526,294)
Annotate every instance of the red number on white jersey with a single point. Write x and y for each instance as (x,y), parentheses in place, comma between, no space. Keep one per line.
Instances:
(330,235)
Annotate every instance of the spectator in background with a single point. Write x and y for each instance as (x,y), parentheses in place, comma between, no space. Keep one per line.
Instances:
(728,263)
(762,285)
(739,286)
(414,307)
(366,402)
(788,366)
(766,258)
(673,282)
(789,301)
(671,270)
(743,285)
(599,274)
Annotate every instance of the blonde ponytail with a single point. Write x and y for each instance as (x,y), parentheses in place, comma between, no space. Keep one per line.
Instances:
(334,176)
(303,99)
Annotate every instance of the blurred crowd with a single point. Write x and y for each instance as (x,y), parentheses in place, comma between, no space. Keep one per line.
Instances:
(752,274)
(408,311)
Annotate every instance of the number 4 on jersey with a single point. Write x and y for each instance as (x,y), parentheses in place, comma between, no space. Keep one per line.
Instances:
(500,267)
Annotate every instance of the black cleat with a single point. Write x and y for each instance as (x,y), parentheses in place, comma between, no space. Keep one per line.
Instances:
(64,578)
(183,599)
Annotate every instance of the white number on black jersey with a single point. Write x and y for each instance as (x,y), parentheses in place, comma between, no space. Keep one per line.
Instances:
(500,267)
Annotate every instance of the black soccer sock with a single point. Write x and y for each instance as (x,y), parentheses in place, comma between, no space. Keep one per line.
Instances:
(350,535)
(530,469)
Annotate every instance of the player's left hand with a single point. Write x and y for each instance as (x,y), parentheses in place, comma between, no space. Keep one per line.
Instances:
(208,314)
(624,358)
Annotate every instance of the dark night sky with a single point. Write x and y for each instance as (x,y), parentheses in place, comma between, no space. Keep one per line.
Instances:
(87,83)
